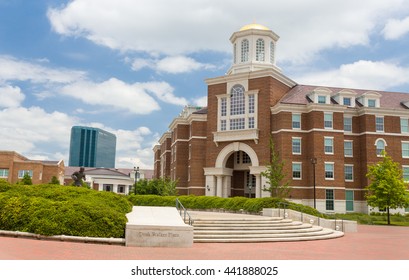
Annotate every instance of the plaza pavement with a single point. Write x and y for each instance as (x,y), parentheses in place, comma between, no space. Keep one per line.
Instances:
(369,243)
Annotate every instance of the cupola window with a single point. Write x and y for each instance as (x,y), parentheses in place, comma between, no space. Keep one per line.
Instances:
(244,50)
(260,50)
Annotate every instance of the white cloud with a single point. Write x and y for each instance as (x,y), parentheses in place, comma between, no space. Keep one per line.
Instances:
(361,74)
(13,69)
(180,27)
(164,92)
(10,96)
(394,29)
(201,101)
(115,94)
(171,64)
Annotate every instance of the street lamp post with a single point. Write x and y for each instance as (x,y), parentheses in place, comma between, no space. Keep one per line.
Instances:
(136,176)
(314,162)
(250,186)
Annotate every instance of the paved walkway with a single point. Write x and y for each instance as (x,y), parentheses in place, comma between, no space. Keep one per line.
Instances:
(369,243)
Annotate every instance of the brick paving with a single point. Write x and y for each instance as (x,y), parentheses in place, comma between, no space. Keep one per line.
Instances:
(369,243)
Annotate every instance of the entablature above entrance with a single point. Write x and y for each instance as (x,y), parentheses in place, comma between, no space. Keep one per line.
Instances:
(236,135)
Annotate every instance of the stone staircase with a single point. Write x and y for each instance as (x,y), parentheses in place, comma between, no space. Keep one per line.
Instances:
(225,227)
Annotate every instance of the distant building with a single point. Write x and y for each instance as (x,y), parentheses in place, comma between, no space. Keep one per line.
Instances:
(92,147)
(110,179)
(14,166)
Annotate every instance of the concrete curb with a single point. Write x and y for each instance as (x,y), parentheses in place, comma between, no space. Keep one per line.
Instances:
(68,238)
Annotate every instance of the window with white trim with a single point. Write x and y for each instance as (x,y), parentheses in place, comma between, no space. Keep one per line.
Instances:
(349,172)
(296,145)
(380,147)
(329,200)
(21,173)
(329,171)
(322,99)
(237,110)
(405,149)
(379,124)
(297,167)
(405,172)
(296,121)
(260,50)
(234,53)
(372,103)
(347,101)
(404,125)
(329,145)
(348,148)
(4,173)
(328,120)
(244,50)
(271,52)
(347,124)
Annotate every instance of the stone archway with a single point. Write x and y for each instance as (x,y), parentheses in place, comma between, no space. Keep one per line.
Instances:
(219,178)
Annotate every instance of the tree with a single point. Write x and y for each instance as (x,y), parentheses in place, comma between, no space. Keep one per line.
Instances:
(387,189)
(161,186)
(274,175)
(26,180)
(54,181)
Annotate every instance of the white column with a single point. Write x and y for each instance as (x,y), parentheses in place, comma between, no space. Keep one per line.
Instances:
(210,185)
(258,185)
(219,191)
(227,182)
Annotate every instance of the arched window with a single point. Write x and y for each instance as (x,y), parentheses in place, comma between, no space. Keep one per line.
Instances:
(244,50)
(380,146)
(237,101)
(260,50)
(271,52)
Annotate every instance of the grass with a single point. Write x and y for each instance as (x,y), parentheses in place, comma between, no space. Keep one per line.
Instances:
(374,219)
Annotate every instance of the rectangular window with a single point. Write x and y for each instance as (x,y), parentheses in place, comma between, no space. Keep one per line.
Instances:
(346,101)
(251,104)
(371,103)
(329,200)
(4,173)
(404,125)
(251,122)
(348,124)
(329,145)
(349,173)
(296,121)
(236,124)
(223,105)
(121,188)
(348,150)
(108,187)
(21,173)
(405,171)
(322,99)
(405,149)
(329,171)
(297,171)
(328,120)
(379,124)
(349,200)
(296,146)
(223,125)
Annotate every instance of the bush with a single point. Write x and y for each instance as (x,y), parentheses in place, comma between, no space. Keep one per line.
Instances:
(4,185)
(63,210)
(161,186)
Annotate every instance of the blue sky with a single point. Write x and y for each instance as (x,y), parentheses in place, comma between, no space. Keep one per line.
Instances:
(130,66)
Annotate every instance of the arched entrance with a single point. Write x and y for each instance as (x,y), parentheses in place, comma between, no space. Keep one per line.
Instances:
(236,173)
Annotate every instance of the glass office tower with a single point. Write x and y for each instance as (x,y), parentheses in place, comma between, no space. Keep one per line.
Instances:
(92,147)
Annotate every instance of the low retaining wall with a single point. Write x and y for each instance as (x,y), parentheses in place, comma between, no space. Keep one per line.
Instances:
(340,225)
(157,227)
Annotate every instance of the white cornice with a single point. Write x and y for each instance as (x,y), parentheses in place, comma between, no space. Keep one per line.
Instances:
(164,137)
(253,75)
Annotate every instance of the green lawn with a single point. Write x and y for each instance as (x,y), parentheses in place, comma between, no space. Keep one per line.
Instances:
(374,219)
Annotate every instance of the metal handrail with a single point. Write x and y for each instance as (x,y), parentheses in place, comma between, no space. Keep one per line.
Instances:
(180,208)
(284,206)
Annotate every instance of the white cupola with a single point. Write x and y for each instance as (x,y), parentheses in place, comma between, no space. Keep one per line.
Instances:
(253,49)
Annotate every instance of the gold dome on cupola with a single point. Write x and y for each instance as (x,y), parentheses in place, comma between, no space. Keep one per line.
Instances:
(254,26)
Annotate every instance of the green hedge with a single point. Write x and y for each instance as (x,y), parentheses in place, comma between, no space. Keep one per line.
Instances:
(62,210)
(253,205)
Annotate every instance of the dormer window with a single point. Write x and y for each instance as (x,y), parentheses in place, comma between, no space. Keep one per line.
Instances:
(345,97)
(372,103)
(370,99)
(346,101)
(320,96)
(322,99)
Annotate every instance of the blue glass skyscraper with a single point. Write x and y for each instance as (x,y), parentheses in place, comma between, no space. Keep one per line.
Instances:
(92,147)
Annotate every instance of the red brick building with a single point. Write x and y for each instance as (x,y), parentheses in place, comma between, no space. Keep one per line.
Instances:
(14,166)
(334,133)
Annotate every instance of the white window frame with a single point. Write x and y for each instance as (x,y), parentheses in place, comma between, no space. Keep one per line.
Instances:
(352,148)
(331,146)
(292,167)
(403,173)
(21,173)
(349,118)
(332,120)
(292,145)
(379,153)
(407,149)
(352,172)
(404,128)
(326,170)
(377,125)
(329,199)
(4,173)
(298,115)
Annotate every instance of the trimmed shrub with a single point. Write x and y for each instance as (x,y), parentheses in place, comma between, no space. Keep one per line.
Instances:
(63,210)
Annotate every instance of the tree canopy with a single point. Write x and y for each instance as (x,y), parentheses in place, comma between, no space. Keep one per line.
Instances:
(387,189)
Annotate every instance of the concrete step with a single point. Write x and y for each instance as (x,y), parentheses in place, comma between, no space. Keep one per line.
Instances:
(246,233)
